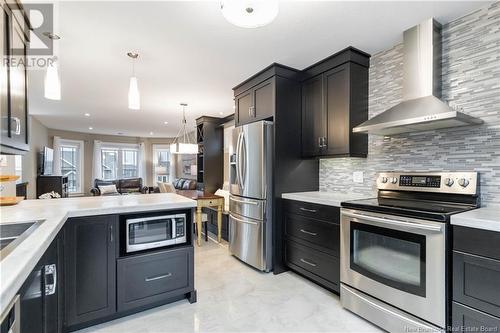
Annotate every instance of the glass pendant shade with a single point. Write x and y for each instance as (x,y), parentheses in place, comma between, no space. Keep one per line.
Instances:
(134,98)
(183,144)
(52,84)
(183,148)
(250,13)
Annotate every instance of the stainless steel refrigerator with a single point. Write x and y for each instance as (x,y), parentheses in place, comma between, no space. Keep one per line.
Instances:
(250,219)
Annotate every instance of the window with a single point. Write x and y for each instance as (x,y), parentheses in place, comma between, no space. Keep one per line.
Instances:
(162,166)
(119,161)
(71,152)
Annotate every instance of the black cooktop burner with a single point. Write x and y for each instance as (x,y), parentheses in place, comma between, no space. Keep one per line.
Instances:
(424,209)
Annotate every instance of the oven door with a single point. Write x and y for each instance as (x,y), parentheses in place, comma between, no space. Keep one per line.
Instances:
(152,232)
(400,261)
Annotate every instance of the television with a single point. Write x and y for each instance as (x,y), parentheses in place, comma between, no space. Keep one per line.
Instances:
(46,161)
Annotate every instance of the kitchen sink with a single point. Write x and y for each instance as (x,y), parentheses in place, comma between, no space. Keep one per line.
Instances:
(12,234)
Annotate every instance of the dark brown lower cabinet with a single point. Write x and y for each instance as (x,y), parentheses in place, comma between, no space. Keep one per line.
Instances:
(90,251)
(313,242)
(476,280)
(150,278)
(467,319)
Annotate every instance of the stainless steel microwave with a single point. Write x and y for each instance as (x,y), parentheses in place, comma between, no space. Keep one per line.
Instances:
(155,231)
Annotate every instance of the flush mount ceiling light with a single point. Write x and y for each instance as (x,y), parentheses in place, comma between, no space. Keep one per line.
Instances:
(183,144)
(250,13)
(134,98)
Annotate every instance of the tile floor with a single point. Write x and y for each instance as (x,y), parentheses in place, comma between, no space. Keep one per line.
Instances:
(233,297)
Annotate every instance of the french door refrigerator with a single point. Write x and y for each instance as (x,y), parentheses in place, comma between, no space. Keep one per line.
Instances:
(250,219)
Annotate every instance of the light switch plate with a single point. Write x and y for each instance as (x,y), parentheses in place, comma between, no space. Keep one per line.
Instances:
(357,176)
(3,160)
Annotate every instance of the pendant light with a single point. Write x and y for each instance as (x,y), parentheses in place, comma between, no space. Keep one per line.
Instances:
(52,82)
(183,144)
(250,13)
(134,98)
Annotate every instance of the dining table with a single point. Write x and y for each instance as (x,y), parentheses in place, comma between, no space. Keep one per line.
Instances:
(205,199)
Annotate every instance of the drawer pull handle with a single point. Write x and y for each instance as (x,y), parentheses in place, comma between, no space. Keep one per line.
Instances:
(308,210)
(308,232)
(158,277)
(308,262)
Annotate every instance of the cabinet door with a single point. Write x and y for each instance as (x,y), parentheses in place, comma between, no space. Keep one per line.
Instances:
(476,282)
(32,301)
(263,104)
(52,281)
(3,76)
(313,116)
(336,85)
(466,319)
(90,268)
(18,87)
(243,107)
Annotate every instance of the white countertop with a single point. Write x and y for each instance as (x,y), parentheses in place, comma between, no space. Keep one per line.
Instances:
(323,198)
(17,265)
(487,218)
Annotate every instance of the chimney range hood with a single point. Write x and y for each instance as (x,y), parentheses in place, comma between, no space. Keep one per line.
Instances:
(421,108)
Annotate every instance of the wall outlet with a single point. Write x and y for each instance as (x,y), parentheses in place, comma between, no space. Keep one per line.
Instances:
(3,160)
(357,176)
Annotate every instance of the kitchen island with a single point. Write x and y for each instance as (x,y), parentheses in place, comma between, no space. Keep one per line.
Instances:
(17,265)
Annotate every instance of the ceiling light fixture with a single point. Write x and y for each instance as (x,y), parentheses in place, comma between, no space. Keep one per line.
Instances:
(165,122)
(86,114)
(51,35)
(134,98)
(151,133)
(250,13)
(183,144)
(91,128)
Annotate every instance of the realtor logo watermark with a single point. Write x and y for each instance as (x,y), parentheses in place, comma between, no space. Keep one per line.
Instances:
(39,52)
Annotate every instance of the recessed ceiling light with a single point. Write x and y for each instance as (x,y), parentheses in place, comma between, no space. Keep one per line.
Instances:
(221,113)
(234,106)
(165,122)
(119,133)
(151,133)
(86,114)
(51,35)
(91,128)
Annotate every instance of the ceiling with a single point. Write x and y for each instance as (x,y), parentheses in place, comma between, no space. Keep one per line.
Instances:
(190,53)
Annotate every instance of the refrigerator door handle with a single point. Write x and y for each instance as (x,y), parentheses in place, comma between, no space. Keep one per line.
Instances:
(243,161)
(238,141)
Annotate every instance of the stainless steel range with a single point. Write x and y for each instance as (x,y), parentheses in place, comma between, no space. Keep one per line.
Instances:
(395,251)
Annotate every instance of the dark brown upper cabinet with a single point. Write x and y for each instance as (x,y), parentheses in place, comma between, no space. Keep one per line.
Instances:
(256,98)
(334,101)
(13,88)
(256,103)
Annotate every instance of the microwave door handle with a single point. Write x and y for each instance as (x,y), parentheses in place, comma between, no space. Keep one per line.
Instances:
(407,225)
(174,228)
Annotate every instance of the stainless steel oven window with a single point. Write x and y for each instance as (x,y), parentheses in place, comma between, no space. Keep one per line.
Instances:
(392,257)
(150,231)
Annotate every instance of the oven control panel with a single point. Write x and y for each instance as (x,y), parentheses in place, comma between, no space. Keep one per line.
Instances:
(439,182)
(420,181)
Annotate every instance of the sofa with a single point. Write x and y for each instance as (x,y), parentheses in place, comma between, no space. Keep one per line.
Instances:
(123,186)
(181,184)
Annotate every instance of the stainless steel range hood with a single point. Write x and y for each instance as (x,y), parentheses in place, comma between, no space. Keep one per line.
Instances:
(421,109)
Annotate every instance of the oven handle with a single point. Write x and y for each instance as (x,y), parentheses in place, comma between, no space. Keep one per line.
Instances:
(395,222)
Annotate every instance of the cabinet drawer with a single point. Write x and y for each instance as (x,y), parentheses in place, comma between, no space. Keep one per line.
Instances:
(322,212)
(313,261)
(477,241)
(154,277)
(324,235)
(476,282)
(465,319)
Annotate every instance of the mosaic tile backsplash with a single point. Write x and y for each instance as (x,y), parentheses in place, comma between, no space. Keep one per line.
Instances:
(471,80)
